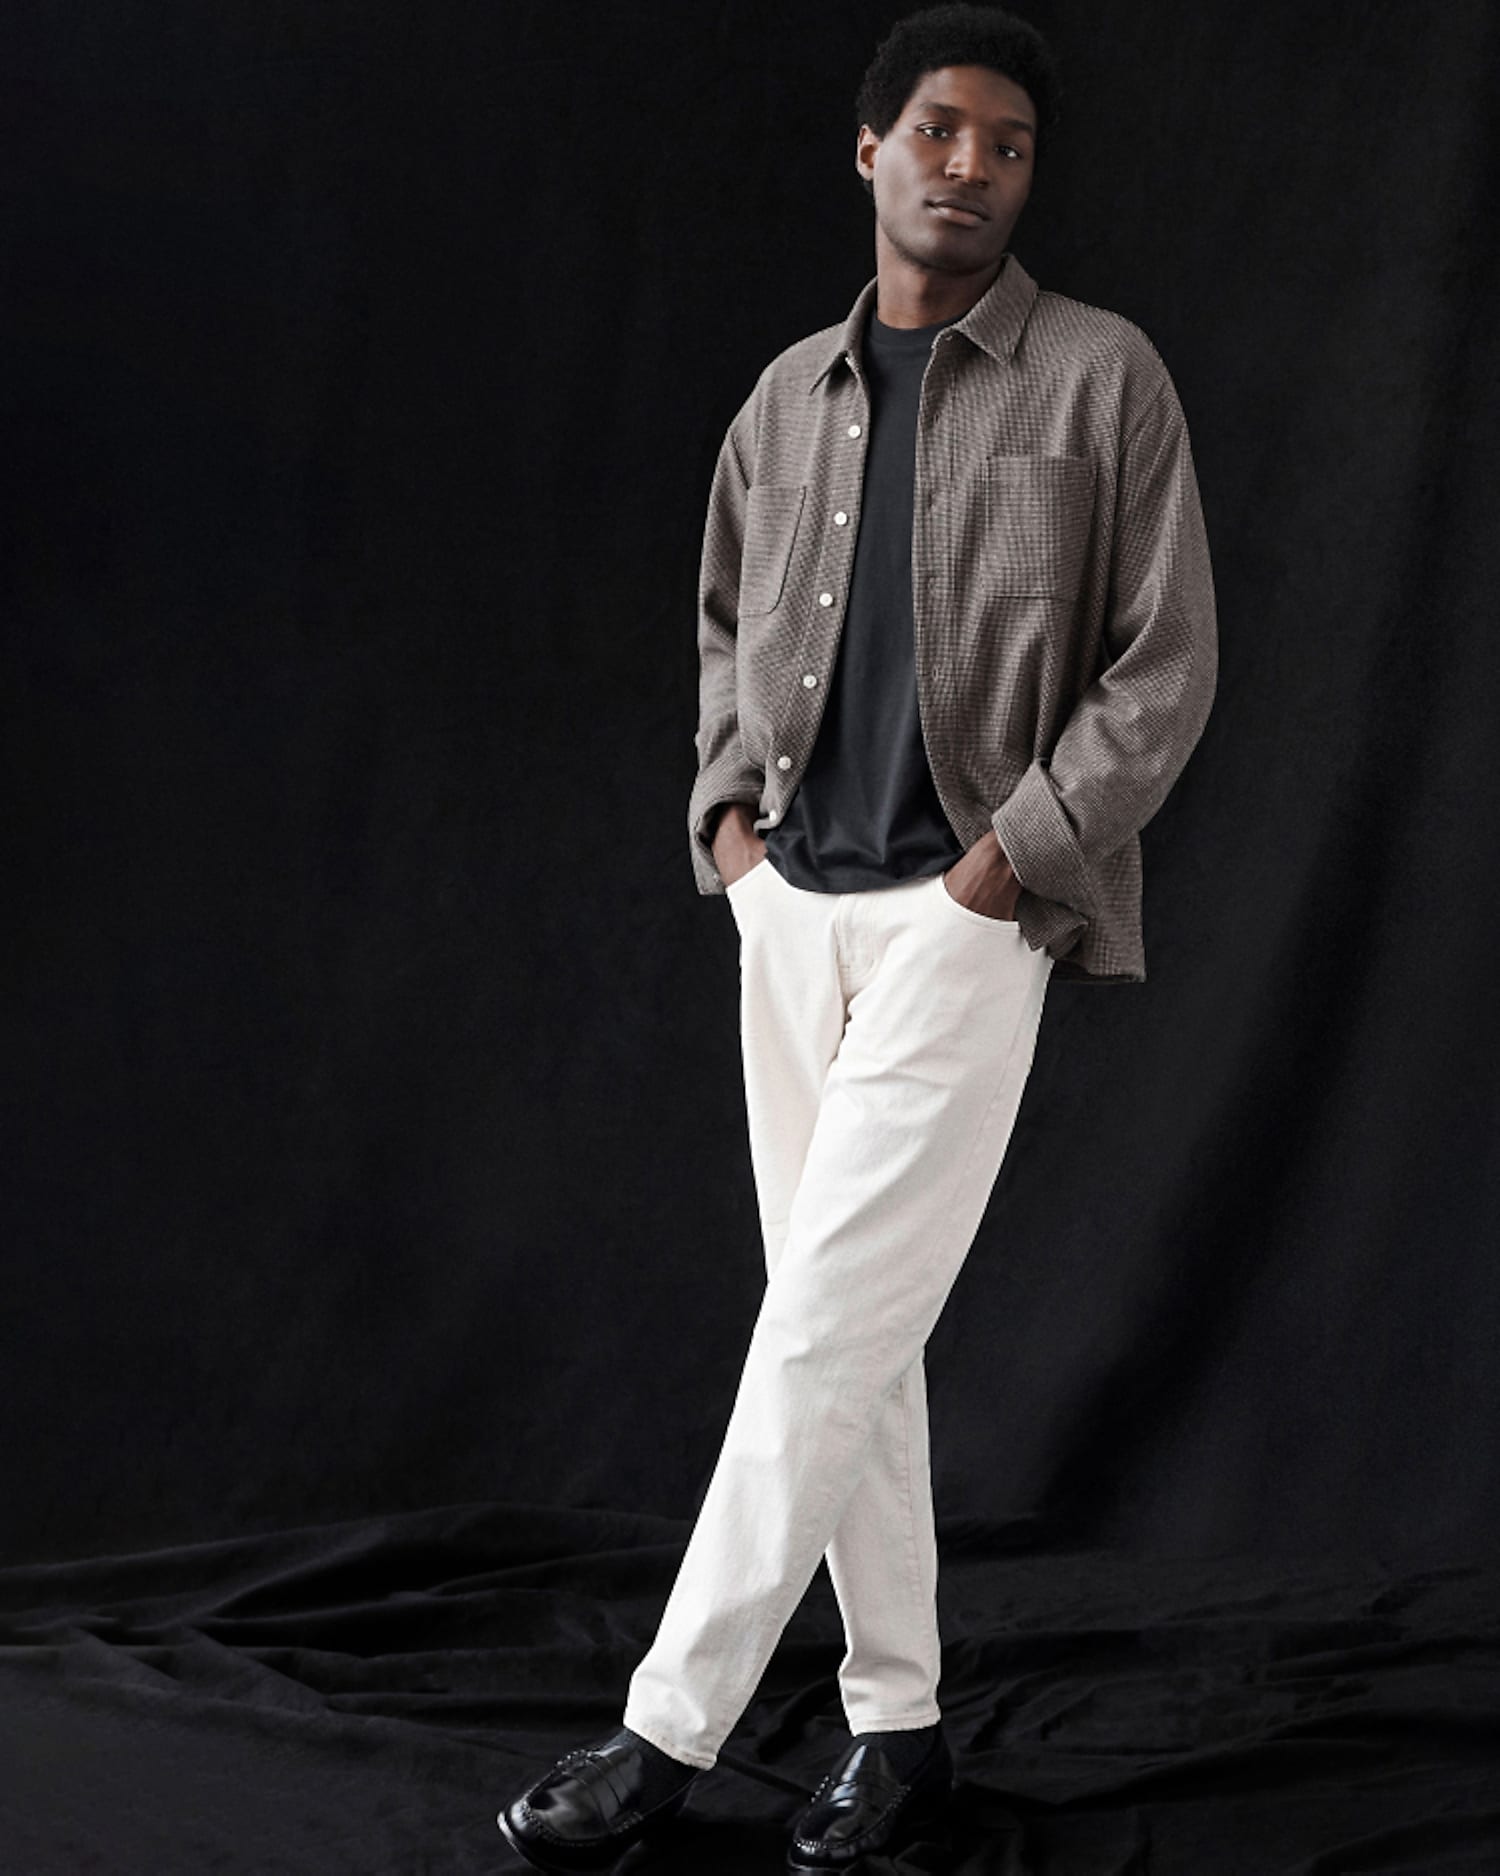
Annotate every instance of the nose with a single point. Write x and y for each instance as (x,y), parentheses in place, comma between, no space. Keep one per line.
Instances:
(965,161)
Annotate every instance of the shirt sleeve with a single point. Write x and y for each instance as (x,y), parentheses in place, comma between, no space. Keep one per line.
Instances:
(725,773)
(1132,731)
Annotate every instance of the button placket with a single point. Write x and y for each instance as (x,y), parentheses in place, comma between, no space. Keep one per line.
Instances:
(810,679)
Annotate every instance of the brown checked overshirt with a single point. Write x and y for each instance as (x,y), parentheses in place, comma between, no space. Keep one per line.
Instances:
(1066,637)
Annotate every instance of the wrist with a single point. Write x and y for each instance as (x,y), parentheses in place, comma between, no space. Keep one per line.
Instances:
(726,813)
(734,816)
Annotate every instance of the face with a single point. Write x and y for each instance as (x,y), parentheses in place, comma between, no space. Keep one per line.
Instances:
(966,133)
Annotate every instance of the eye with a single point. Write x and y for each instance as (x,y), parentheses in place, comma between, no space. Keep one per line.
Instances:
(942,130)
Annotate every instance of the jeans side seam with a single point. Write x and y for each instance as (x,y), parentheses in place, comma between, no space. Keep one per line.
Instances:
(911,1509)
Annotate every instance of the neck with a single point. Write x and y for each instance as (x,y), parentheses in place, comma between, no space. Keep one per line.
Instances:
(906,295)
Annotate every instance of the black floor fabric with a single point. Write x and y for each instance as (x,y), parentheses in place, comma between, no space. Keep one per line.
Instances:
(362,1697)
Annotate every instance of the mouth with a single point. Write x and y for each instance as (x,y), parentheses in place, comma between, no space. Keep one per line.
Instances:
(958,212)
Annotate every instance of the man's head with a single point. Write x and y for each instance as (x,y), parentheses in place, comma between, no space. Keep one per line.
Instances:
(956,104)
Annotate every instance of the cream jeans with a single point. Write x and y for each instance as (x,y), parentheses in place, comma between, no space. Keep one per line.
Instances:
(887,1037)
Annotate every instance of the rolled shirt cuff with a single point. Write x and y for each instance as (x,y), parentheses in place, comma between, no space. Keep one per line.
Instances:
(1038,838)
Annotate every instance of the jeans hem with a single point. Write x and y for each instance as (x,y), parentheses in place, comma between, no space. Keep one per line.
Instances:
(703,1761)
(904,1725)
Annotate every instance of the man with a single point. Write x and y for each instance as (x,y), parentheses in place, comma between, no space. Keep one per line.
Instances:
(957,638)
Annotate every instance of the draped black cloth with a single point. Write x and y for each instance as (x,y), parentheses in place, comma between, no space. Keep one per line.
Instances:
(363,1696)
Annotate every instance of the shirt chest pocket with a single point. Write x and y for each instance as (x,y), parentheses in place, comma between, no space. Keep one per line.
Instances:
(773,514)
(1032,517)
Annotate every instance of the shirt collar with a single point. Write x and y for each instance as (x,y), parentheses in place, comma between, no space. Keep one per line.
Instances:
(993,322)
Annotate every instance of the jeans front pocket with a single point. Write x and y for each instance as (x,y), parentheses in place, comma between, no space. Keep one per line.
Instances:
(968,912)
(732,889)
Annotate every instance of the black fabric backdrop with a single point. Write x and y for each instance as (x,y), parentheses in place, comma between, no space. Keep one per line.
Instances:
(380,1243)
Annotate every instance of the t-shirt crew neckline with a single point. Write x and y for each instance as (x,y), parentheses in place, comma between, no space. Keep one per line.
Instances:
(904,338)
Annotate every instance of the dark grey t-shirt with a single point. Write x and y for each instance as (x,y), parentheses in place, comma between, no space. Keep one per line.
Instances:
(867,812)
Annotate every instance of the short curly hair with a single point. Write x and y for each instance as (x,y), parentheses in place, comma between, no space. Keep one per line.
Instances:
(957,34)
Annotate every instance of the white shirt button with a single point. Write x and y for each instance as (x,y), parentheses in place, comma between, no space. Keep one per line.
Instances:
(809,678)
(854,429)
(840,518)
(825,599)
(773,814)
(783,762)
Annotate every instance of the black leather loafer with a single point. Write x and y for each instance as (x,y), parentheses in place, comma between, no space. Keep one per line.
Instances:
(863,1808)
(585,1812)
